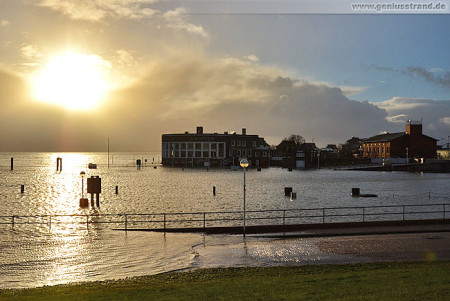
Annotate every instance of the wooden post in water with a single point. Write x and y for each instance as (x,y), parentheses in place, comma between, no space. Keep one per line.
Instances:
(59,164)
(108,154)
(12,163)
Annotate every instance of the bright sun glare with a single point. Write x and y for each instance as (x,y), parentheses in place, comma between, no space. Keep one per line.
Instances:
(72,80)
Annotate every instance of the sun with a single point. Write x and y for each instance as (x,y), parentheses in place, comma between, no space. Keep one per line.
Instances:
(73,80)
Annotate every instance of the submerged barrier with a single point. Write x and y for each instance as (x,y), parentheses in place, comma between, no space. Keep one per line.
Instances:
(205,220)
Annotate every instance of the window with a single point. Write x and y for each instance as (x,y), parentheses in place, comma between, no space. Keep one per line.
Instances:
(244,143)
(230,153)
(233,143)
(239,153)
(239,143)
(264,154)
(244,153)
(253,143)
(249,153)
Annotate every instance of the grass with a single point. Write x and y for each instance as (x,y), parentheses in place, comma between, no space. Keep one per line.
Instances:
(373,281)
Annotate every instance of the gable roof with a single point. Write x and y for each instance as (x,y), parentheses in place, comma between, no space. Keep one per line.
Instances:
(385,137)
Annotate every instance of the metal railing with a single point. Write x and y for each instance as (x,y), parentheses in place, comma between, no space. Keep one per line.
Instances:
(275,217)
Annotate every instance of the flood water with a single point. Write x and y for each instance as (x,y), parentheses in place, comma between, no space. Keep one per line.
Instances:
(36,254)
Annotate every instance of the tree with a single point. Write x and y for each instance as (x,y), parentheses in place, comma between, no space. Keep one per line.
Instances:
(297,139)
(290,145)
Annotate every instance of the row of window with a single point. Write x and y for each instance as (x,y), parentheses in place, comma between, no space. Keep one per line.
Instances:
(242,143)
(377,150)
(245,153)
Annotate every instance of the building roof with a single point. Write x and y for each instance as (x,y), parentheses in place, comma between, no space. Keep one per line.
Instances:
(385,137)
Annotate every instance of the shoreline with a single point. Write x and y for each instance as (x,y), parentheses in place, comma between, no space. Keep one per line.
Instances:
(367,281)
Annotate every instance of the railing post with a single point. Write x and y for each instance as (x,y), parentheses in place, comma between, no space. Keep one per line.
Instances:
(444,211)
(429,195)
(50,222)
(323,215)
(12,222)
(403,212)
(364,213)
(164,222)
(87,222)
(126,222)
(284,217)
(204,220)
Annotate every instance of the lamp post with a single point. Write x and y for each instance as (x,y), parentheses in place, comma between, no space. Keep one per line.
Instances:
(82,174)
(83,202)
(244,164)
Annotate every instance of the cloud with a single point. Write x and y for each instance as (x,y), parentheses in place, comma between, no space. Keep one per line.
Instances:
(30,52)
(187,90)
(436,76)
(440,80)
(228,94)
(434,113)
(445,120)
(252,58)
(352,90)
(175,19)
(96,10)
(4,23)
(99,10)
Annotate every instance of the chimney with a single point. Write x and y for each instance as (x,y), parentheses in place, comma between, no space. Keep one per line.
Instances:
(199,130)
(414,128)
(244,131)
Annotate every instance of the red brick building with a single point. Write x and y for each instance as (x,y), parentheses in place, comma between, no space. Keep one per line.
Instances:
(411,144)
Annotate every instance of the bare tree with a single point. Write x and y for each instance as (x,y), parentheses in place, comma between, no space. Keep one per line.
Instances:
(297,139)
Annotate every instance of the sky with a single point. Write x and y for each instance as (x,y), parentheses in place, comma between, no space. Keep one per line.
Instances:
(73,73)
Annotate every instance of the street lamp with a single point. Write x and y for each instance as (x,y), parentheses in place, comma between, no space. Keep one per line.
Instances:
(83,201)
(82,174)
(244,164)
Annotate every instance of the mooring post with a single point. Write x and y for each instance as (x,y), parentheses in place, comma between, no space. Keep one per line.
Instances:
(214,190)
(59,164)
(22,188)
(117,189)
(12,163)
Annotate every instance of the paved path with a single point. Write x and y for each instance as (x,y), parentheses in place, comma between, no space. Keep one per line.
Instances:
(396,243)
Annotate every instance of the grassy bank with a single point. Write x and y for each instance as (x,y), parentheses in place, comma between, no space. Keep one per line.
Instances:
(374,281)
